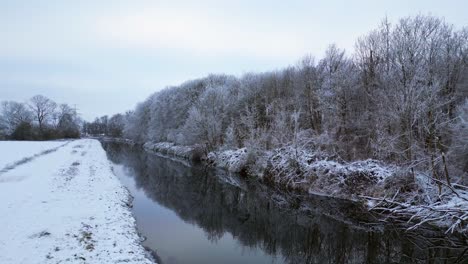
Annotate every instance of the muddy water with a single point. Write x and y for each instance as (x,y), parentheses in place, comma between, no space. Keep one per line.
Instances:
(190,214)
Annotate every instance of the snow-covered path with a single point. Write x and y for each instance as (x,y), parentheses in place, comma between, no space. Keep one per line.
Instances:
(66,206)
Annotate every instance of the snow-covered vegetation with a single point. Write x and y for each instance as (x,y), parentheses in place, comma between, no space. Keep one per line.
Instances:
(371,123)
(168,148)
(65,206)
(398,98)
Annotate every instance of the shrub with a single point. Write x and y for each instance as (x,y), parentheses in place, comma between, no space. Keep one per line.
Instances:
(24,131)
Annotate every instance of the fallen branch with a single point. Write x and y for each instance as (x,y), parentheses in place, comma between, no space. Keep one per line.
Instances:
(419,215)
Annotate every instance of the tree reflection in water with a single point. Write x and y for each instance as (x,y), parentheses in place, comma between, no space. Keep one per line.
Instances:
(313,230)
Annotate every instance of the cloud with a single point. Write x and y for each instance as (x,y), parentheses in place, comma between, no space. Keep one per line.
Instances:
(198,32)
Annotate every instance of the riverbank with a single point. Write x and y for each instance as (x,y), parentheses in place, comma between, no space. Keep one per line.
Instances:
(189,213)
(65,205)
(392,193)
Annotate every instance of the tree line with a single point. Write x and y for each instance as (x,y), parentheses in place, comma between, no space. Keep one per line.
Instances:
(105,126)
(38,119)
(400,97)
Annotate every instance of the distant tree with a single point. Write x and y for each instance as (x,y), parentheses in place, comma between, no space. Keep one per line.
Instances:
(137,123)
(116,125)
(3,131)
(95,128)
(12,114)
(43,108)
(68,123)
(104,121)
(16,120)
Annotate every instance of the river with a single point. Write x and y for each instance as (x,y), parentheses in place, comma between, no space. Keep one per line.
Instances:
(192,214)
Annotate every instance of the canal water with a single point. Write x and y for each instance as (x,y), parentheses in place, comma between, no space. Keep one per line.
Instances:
(192,214)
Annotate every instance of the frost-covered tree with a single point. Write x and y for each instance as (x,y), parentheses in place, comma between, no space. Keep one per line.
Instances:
(339,93)
(410,73)
(459,147)
(205,119)
(308,93)
(68,122)
(393,99)
(116,125)
(137,123)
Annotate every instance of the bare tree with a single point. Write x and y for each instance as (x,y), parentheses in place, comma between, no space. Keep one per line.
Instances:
(12,114)
(43,108)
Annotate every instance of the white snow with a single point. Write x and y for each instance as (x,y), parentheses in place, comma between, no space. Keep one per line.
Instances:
(232,160)
(303,168)
(14,151)
(65,206)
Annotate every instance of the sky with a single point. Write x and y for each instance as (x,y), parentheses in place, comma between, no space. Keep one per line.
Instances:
(105,56)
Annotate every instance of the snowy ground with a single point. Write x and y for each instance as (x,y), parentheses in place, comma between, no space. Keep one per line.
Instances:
(12,152)
(64,206)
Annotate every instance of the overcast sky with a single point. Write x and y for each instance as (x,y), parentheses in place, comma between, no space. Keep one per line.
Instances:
(107,55)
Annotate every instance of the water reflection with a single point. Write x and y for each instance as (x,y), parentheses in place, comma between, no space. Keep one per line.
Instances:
(245,222)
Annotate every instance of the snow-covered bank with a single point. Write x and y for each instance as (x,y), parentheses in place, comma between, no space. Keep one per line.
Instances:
(66,206)
(305,171)
(287,168)
(415,196)
(391,191)
(168,148)
(114,139)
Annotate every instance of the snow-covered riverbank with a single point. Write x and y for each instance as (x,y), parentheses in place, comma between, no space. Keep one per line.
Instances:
(388,190)
(65,206)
